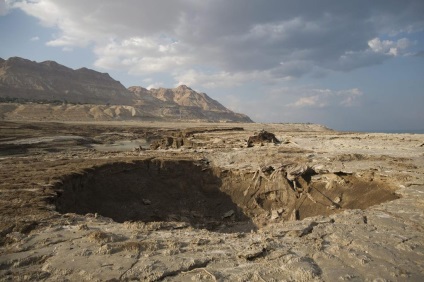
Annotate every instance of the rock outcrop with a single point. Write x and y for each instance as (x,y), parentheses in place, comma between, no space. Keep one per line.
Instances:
(262,137)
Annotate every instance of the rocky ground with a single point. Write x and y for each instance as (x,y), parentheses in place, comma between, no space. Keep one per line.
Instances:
(96,202)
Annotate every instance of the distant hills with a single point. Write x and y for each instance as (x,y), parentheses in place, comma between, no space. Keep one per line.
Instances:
(50,91)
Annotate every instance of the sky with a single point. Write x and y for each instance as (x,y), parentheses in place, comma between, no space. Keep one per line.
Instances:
(349,65)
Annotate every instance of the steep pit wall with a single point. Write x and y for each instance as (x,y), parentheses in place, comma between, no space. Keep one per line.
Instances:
(191,191)
(273,197)
(150,190)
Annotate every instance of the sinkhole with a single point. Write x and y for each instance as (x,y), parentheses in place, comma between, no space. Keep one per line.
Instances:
(157,190)
(150,191)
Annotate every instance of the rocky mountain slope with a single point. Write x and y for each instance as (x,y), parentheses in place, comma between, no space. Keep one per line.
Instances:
(85,94)
(185,96)
(50,81)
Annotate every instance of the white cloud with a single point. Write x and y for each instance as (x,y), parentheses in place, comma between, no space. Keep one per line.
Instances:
(311,101)
(141,55)
(389,47)
(155,85)
(46,11)
(320,98)
(213,80)
(220,79)
(35,38)
(279,40)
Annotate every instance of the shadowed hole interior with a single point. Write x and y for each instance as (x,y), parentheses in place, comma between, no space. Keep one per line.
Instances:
(219,200)
(151,190)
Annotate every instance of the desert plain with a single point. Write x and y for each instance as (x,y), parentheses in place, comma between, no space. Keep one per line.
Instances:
(163,201)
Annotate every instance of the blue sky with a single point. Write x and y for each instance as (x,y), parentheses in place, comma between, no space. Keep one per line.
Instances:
(350,65)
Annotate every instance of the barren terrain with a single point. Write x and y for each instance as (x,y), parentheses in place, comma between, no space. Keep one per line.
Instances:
(154,201)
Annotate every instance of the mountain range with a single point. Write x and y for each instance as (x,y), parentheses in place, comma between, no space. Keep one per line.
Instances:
(50,91)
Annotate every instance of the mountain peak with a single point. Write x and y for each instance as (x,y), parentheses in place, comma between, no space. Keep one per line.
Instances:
(18,59)
(183,87)
(49,63)
(136,88)
(187,97)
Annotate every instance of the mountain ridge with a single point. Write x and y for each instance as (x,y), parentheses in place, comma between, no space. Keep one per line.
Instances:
(23,80)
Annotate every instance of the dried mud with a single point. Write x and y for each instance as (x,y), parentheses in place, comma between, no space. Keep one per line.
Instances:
(320,205)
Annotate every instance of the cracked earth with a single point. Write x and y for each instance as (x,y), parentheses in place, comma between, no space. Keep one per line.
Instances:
(97,202)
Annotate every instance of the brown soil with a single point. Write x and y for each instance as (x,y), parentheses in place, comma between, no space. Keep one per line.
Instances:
(352,193)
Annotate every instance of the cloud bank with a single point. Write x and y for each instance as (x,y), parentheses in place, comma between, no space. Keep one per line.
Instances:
(211,43)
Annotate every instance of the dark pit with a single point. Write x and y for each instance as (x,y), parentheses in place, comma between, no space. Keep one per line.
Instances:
(151,191)
(157,190)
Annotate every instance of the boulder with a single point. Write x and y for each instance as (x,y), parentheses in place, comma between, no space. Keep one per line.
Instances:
(262,137)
